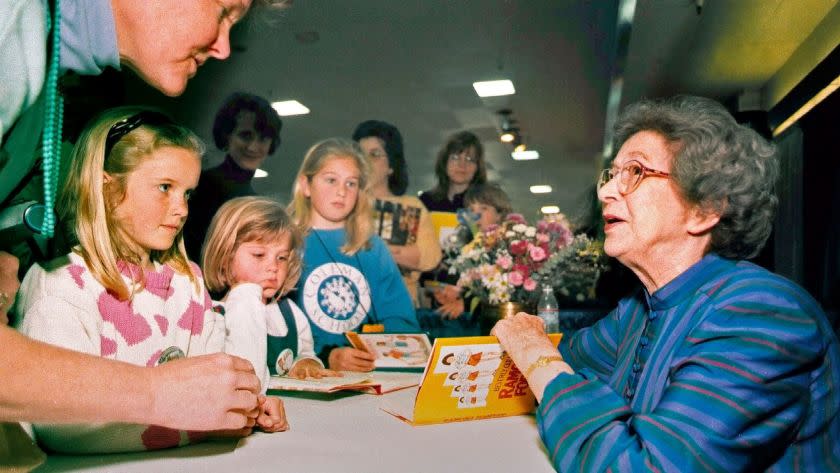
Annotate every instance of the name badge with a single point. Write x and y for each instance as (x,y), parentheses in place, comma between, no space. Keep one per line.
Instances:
(284,362)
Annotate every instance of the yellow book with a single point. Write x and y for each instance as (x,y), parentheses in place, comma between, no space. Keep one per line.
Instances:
(445,223)
(466,378)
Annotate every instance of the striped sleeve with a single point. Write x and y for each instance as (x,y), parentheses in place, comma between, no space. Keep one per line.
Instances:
(737,390)
(593,347)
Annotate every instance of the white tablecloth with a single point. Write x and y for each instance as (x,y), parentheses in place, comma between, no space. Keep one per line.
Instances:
(346,432)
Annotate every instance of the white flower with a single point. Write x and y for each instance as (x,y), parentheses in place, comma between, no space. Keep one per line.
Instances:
(530,232)
(519,228)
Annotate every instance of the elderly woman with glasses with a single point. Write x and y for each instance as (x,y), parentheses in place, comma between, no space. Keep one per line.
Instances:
(715,364)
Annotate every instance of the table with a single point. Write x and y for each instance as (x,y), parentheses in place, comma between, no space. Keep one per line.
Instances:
(345,432)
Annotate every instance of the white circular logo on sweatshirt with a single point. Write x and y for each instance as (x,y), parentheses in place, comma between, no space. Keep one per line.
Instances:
(337,297)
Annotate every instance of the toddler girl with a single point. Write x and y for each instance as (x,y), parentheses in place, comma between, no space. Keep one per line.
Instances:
(252,256)
(349,279)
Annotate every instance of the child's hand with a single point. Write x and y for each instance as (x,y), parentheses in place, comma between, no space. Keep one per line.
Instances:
(272,416)
(309,368)
(447,294)
(451,310)
(351,359)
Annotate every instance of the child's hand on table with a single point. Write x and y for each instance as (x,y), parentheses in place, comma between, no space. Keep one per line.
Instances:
(272,416)
(351,359)
(309,368)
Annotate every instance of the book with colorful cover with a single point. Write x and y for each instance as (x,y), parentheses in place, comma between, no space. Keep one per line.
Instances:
(374,382)
(396,223)
(466,378)
(403,351)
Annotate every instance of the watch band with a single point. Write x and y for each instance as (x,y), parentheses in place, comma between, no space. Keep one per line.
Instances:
(542,362)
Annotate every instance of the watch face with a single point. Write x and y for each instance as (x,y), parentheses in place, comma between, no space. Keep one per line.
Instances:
(171,353)
(284,362)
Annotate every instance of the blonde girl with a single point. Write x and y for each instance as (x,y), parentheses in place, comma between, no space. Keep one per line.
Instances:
(252,257)
(127,290)
(349,280)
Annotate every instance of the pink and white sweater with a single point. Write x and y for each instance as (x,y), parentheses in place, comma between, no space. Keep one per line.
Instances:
(63,304)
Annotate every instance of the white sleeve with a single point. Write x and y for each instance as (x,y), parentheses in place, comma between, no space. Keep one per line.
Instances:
(213,333)
(306,344)
(245,334)
(51,318)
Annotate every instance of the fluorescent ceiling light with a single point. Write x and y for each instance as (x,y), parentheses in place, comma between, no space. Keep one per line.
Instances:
(507,137)
(260,173)
(550,209)
(289,108)
(494,88)
(525,155)
(540,189)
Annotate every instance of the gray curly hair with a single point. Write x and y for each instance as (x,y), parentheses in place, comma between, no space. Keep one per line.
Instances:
(718,165)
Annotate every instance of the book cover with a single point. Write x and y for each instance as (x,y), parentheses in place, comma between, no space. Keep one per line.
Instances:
(466,378)
(374,382)
(397,224)
(394,350)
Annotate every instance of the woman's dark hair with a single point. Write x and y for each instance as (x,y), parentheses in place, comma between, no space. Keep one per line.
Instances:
(266,120)
(456,144)
(392,139)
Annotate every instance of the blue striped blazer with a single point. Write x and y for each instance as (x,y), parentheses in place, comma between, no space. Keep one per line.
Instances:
(728,367)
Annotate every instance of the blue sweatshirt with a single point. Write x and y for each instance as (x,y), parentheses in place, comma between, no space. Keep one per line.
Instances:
(340,293)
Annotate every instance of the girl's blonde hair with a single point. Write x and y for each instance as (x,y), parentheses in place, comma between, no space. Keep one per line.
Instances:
(358,224)
(243,220)
(87,203)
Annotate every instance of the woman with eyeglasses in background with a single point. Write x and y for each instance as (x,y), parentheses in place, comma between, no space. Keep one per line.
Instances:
(459,166)
(382,144)
(714,364)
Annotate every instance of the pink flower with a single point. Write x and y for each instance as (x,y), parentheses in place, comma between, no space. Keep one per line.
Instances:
(529,284)
(516,278)
(505,262)
(522,269)
(537,253)
(543,237)
(518,247)
(516,218)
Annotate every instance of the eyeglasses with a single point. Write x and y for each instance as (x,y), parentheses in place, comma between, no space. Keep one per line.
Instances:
(629,176)
(127,125)
(377,153)
(457,158)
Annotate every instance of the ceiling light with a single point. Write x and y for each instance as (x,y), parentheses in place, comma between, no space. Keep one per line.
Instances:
(525,155)
(260,173)
(520,148)
(494,88)
(289,108)
(540,189)
(507,137)
(550,209)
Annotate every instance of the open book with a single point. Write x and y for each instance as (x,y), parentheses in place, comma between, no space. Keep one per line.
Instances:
(466,378)
(404,351)
(395,223)
(375,382)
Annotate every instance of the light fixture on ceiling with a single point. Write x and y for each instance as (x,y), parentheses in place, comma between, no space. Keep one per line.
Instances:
(260,173)
(288,108)
(494,88)
(526,155)
(509,133)
(540,189)
(550,209)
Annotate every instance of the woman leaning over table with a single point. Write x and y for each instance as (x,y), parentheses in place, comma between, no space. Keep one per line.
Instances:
(715,364)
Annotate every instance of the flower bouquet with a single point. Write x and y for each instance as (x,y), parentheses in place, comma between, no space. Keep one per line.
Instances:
(510,262)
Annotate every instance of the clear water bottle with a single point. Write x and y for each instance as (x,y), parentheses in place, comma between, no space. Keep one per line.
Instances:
(548,310)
